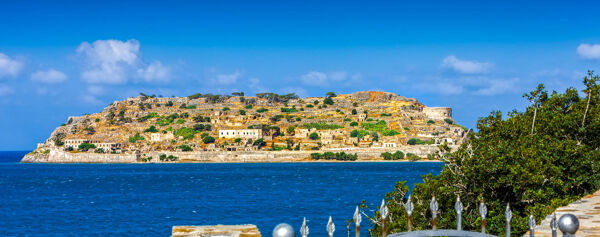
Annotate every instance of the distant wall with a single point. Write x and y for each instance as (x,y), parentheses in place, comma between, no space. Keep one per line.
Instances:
(438,113)
(58,156)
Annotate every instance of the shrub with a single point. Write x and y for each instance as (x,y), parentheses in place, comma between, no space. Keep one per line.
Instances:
(186,133)
(259,143)
(380,127)
(226,109)
(321,126)
(208,139)
(448,121)
(354,112)
(353,124)
(136,138)
(288,110)
(398,155)
(242,112)
(359,133)
(333,156)
(99,150)
(309,106)
(261,110)
(248,107)
(180,121)
(190,107)
(85,146)
(185,148)
(385,115)
(313,136)
(328,101)
(151,129)
(430,121)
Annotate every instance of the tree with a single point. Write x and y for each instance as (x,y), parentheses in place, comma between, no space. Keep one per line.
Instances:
(242,112)
(86,146)
(536,97)
(590,82)
(354,112)
(354,124)
(313,136)
(151,129)
(328,101)
(259,143)
(185,148)
(290,131)
(208,139)
(505,163)
(331,94)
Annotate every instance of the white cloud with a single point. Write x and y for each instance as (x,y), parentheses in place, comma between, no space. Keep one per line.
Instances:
(497,87)
(464,66)
(50,76)
(5,90)
(115,62)
(255,86)
(322,79)
(9,67)
(226,79)
(154,72)
(589,51)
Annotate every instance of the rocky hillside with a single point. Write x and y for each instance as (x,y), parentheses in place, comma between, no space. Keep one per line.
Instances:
(267,121)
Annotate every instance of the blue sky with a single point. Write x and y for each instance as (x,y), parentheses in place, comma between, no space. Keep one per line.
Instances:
(61,58)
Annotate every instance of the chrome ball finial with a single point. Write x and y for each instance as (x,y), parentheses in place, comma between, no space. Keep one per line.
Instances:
(283,230)
(568,224)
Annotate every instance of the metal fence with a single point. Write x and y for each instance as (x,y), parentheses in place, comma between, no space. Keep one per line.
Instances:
(567,223)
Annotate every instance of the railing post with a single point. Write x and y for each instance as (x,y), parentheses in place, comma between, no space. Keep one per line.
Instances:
(458,207)
(531,226)
(482,213)
(304,228)
(409,207)
(357,219)
(568,224)
(383,210)
(508,216)
(330,227)
(433,205)
(553,224)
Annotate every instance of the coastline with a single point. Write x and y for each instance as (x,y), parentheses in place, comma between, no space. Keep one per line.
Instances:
(63,157)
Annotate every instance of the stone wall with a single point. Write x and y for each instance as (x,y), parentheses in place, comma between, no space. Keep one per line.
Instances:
(59,156)
(216,231)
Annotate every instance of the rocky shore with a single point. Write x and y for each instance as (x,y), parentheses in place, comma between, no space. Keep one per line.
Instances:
(59,156)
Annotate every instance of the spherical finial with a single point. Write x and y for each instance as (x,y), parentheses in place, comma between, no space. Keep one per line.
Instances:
(568,224)
(283,230)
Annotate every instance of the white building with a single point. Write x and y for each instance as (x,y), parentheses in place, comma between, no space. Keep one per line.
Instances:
(241,133)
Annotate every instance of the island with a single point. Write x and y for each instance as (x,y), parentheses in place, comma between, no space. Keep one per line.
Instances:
(267,127)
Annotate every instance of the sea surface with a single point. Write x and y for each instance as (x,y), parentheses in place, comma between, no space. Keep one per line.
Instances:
(148,199)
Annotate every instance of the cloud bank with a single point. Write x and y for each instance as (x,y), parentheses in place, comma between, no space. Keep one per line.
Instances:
(464,66)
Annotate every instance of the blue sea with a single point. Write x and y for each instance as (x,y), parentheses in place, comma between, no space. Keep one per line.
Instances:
(148,199)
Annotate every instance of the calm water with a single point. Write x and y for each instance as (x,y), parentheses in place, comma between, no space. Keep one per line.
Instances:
(147,200)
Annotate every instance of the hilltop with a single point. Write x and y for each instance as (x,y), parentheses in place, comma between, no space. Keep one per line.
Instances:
(150,128)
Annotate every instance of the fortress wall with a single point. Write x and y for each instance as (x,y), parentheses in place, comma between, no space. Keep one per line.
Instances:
(438,113)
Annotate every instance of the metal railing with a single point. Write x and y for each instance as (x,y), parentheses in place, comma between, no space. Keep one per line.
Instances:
(567,223)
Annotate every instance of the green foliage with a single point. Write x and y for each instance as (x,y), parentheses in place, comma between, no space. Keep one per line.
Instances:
(333,156)
(261,110)
(398,155)
(354,124)
(430,121)
(380,127)
(448,121)
(330,94)
(272,97)
(165,121)
(412,157)
(248,107)
(97,120)
(288,110)
(328,101)
(190,107)
(85,146)
(164,157)
(208,139)
(151,129)
(185,148)
(347,120)
(169,103)
(237,140)
(416,141)
(359,133)
(354,112)
(180,121)
(186,133)
(99,150)
(259,143)
(200,119)
(226,109)
(507,162)
(242,112)
(135,138)
(321,126)
(313,136)
(290,131)
(309,106)
(385,115)
(202,127)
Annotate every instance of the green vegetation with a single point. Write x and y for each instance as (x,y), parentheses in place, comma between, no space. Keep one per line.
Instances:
(380,127)
(185,148)
(313,136)
(359,133)
(309,106)
(448,121)
(259,143)
(85,146)
(242,112)
(535,160)
(385,115)
(328,101)
(321,126)
(208,139)
(261,110)
(416,141)
(272,97)
(202,127)
(201,119)
(186,133)
(248,107)
(353,124)
(180,121)
(136,138)
(164,157)
(398,155)
(190,107)
(412,157)
(333,156)
(288,110)
(151,129)
(354,112)
(430,121)
(226,109)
